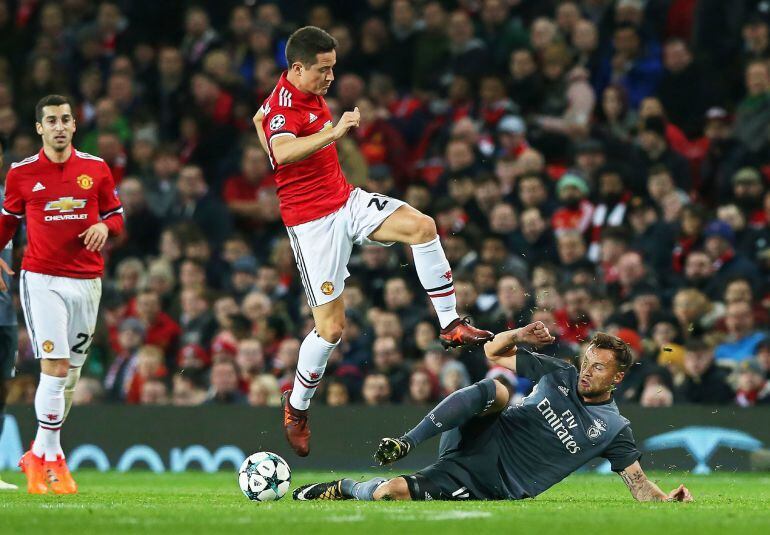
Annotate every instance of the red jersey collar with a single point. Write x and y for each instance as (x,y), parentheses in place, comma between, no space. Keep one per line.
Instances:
(296,93)
(44,158)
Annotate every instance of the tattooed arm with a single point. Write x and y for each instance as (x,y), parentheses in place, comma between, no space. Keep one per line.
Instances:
(645,490)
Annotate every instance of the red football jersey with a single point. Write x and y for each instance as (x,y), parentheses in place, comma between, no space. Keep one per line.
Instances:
(59,201)
(315,186)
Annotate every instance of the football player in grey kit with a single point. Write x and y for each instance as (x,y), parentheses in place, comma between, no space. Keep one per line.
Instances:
(492,451)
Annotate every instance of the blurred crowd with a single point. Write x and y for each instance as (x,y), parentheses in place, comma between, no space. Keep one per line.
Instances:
(593,164)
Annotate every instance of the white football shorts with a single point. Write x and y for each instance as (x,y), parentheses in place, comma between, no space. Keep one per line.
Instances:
(322,247)
(60,313)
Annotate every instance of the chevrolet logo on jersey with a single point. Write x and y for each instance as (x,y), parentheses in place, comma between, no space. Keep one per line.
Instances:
(65,206)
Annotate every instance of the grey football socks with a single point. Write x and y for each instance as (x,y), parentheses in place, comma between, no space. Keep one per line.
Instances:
(363,491)
(453,411)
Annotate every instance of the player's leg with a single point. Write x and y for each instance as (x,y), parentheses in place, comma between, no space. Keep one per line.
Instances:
(410,226)
(377,488)
(45,315)
(82,311)
(8,345)
(322,249)
(47,303)
(485,397)
(314,352)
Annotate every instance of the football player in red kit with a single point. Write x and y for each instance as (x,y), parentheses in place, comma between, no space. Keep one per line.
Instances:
(324,216)
(70,204)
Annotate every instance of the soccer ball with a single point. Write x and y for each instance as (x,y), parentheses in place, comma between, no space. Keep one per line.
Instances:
(264,477)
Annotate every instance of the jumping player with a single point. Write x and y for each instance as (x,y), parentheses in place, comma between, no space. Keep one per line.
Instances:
(324,216)
(71,206)
(492,451)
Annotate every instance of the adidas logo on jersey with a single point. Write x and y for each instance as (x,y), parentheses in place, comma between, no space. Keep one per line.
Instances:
(313,117)
(564,390)
(38,187)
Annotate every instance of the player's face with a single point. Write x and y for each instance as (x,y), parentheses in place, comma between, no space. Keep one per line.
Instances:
(318,77)
(598,373)
(57,127)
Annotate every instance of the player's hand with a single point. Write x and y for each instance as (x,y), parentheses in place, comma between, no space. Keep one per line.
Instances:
(535,334)
(680,494)
(348,120)
(95,236)
(8,271)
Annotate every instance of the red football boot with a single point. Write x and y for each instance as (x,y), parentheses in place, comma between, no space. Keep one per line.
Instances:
(296,426)
(461,333)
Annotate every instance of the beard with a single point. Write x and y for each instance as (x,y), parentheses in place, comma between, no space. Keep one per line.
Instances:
(571,203)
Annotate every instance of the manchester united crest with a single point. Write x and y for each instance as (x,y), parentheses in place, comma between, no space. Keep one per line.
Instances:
(85,181)
(327,288)
(47,346)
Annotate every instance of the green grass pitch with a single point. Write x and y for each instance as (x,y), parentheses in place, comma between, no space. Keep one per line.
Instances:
(176,504)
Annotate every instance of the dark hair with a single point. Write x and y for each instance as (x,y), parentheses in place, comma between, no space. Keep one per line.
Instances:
(49,100)
(619,348)
(305,43)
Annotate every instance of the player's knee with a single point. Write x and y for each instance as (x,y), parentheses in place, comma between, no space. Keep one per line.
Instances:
(395,489)
(331,330)
(55,367)
(424,229)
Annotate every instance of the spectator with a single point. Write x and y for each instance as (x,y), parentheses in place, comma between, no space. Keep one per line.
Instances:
(705,382)
(389,361)
(753,113)
(185,392)
(154,392)
(249,195)
(753,386)
(197,205)
(264,391)
(573,321)
(742,337)
(694,311)
(468,56)
(149,364)
(655,150)
(422,387)
(224,384)
(337,394)
(575,211)
(161,329)
(130,338)
(685,89)
(633,64)
(376,389)
(720,246)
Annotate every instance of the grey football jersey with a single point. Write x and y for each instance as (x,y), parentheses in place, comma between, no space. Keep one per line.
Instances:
(7,312)
(552,432)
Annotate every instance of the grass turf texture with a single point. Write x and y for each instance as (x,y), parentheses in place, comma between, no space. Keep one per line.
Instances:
(140,502)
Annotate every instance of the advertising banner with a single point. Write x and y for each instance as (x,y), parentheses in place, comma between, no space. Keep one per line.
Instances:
(210,438)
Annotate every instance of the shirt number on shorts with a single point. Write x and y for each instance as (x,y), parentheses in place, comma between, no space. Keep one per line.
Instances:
(376,202)
(85,342)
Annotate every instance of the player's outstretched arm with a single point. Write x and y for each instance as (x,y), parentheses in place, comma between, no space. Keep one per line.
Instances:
(502,349)
(645,490)
(290,149)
